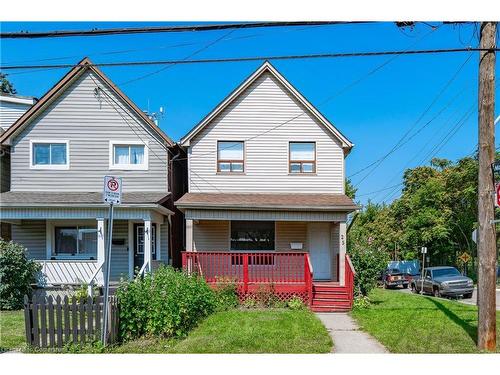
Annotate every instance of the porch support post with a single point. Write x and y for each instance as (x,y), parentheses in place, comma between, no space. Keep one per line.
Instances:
(100,240)
(147,244)
(342,251)
(189,235)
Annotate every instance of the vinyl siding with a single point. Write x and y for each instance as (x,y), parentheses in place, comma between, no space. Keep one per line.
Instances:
(211,235)
(119,254)
(257,112)
(164,241)
(89,123)
(290,231)
(10,112)
(31,234)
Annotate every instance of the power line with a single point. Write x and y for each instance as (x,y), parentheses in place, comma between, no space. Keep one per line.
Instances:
(448,136)
(204,48)
(256,58)
(162,29)
(328,99)
(402,141)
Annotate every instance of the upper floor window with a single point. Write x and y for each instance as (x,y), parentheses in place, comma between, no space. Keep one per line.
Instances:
(128,155)
(230,156)
(302,157)
(49,154)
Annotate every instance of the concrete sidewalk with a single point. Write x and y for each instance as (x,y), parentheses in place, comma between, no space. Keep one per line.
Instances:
(347,338)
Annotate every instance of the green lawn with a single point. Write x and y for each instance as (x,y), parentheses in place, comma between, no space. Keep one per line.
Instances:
(407,323)
(245,331)
(11,330)
(234,331)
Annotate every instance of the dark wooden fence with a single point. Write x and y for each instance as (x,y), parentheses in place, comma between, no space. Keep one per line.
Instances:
(53,324)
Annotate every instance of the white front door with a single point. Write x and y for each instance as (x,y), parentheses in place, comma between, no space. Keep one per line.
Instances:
(319,250)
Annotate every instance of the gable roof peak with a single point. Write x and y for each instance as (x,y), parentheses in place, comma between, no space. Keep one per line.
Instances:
(269,67)
(84,65)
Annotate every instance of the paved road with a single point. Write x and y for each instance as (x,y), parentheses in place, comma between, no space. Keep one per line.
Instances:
(470,301)
(347,338)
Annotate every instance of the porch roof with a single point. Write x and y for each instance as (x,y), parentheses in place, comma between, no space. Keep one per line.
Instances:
(16,205)
(268,201)
(46,198)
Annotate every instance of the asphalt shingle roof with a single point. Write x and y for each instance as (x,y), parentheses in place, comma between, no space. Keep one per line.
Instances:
(41,197)
(320,201)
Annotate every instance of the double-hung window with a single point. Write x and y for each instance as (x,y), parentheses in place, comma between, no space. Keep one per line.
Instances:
(128,156)
(49,154)
(76,240)
(230,156)
(302,157)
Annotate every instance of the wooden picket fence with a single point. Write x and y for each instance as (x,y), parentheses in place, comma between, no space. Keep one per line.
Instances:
(53,324)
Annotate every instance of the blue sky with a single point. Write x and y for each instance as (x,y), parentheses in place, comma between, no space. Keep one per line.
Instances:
(374,113)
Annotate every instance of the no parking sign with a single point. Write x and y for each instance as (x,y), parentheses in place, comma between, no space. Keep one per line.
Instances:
(112,190)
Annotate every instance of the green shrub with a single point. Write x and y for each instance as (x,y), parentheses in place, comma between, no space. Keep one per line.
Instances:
(361,302)
(17,273)
(226,294)
(168,303)
(295,303)
(369,263)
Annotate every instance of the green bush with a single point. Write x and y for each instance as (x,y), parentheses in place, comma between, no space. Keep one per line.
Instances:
(226,294)
(368,263)
(17,273)
(168,303)
(295,303)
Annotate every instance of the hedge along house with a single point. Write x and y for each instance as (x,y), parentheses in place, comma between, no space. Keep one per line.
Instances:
(82,129)
(266,201)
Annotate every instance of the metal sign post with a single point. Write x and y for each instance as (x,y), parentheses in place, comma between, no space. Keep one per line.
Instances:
(424,251)
(113,195)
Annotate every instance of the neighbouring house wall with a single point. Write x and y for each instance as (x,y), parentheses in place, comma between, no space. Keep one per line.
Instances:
(31,234)
(290,231)
(89,123)
(211,235)
(258,112)
(10,112)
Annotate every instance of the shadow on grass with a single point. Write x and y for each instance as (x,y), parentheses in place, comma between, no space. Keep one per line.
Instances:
(466,326)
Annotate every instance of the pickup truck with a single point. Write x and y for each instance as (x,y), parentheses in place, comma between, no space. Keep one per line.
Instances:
(443,281)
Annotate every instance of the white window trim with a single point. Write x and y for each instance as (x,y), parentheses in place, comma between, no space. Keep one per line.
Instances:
(50,166)
(128,167)
(51,241)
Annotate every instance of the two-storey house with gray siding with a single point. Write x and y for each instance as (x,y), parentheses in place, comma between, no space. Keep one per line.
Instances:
(81,130)
(266,201)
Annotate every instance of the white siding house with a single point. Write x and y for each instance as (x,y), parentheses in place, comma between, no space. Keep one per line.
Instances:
(266,175)
(12,107)
(81,130)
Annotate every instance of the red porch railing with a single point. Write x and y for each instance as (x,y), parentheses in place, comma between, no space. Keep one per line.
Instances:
(289,273)
(349,277)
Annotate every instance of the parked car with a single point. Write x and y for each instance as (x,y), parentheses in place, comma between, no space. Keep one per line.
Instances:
(393,277)
(443,281)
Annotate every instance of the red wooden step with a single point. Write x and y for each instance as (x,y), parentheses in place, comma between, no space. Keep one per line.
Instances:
(345,303)
(331,294)
(322,288)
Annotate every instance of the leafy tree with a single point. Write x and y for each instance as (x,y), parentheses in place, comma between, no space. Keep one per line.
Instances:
(350,190)
(6,86)
(17,273)
(437,209)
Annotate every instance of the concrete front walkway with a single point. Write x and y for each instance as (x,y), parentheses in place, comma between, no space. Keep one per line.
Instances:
(347,338)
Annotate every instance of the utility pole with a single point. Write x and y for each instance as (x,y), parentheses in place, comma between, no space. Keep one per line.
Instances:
(486,329)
